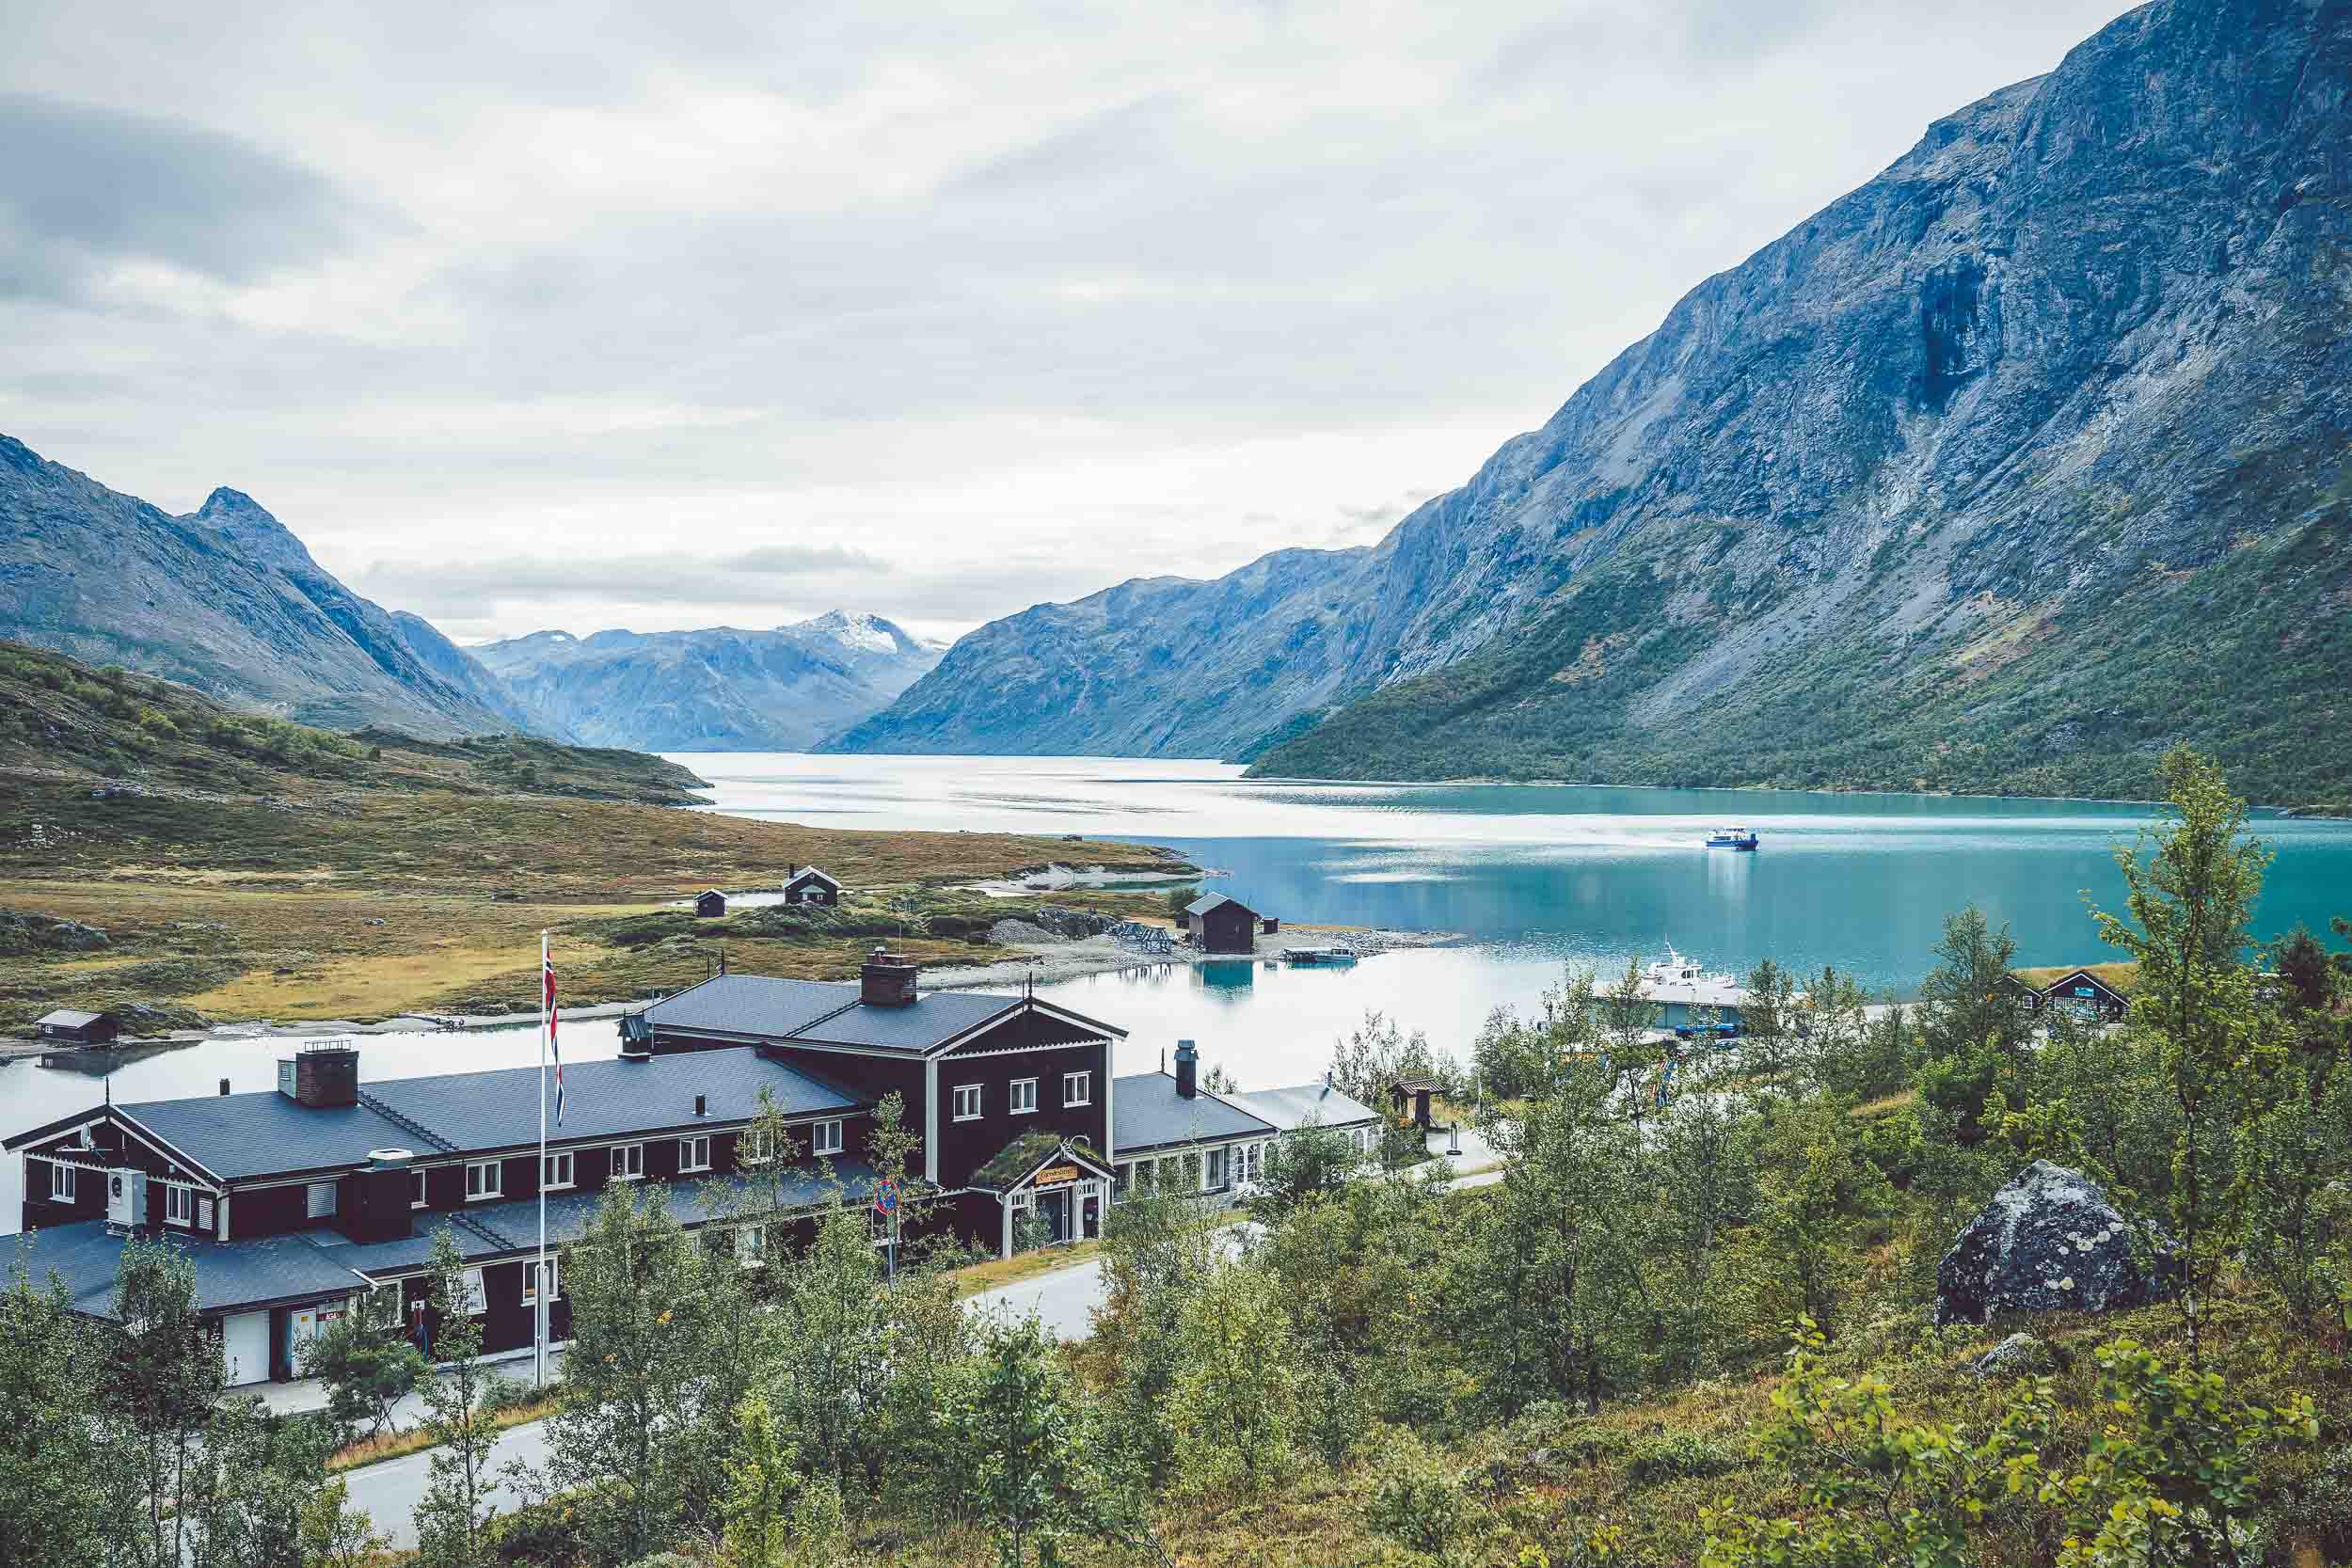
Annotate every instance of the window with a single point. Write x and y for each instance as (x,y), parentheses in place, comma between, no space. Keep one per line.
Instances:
(629,1162)
(751,1148)
(179,1205)
(62,1183)
(555,1170)
(694,1153)
(531,1280)
(751,1245)
(416,1190)
(967,1102)
(477,1301)
(1077,1089)
(828,1139)
(318,1199)
(485,1178)
(1218,1161)
(1023,1098)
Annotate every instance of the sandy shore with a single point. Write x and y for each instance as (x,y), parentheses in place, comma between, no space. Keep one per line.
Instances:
(1048,961)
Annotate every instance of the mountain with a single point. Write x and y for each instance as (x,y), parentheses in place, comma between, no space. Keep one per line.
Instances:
(467,674)
(720,689)
(2020,461)
(224,599)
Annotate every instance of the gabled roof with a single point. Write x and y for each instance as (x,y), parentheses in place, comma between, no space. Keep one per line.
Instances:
(228,1273)
(829,1013)
(2067,984)
(1030,1153)
(1290,1109)
(1147,1113)
(257,1133)
(1208,901)
(750,1007)
(805,873)
(71,1017)
(933,1018)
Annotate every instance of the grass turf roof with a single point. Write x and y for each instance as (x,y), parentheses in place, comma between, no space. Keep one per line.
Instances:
(1023,1155)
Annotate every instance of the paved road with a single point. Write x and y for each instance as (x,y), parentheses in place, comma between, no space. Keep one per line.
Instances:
(390,1491)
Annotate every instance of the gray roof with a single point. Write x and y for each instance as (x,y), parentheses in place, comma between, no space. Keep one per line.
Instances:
(750,1005)
(816,871)
(1290,1109)
(1208,901)
(604,1098)
(931,1019)
(1147,1113)
(71,1018)
(411,1252)
(689,1202)
(234,1135)
(228,1273)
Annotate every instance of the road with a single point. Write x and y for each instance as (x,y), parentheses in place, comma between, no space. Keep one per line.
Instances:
(391,1491)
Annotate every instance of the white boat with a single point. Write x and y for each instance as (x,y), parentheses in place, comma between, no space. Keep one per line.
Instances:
(1732,838)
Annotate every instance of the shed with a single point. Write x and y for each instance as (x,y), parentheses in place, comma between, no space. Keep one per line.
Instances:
(1415,1093)
(809,884)
(68,1024)
(2086,995)
(710,904)
(1222,925)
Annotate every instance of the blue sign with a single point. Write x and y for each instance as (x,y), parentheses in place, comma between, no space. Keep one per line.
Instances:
(887,1196)
(2085,991)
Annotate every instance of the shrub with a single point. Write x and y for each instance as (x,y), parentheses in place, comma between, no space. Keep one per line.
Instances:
(1417,1498)
(1678,1454)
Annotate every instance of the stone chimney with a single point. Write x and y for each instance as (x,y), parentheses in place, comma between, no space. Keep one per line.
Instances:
(1187,1070)
(322,1076)
(886,980)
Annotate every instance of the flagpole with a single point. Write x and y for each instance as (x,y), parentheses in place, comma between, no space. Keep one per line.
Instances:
(539,1288)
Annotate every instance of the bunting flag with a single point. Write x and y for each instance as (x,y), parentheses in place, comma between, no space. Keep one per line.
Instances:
(548,1003)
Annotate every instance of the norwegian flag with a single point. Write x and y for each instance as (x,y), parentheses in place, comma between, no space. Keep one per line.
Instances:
(547,971)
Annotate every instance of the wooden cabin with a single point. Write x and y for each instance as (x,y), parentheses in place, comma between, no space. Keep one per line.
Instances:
(710,904)
(1222,925)
(72,1025)
(809,884)
(2086,995)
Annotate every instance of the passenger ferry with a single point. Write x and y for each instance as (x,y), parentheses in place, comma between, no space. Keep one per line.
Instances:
(1732,838)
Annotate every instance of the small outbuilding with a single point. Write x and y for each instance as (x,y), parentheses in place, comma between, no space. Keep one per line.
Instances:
(809,884)
(1222,925)
(2086,995)
(710,904)
(79,1028)
(1412,1097)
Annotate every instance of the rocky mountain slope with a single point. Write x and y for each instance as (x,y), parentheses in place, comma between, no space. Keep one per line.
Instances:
(224,599)
(720,689)
(2030,456)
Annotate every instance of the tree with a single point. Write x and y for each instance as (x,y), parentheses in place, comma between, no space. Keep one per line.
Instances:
(368,1363)
(1218,1080)
(776,1515)
(1156,1249)
(455,1510)
(336,1535)
(1235,1398)
(1817,1189)
(53,1502)
(1367,1064)
(1768,1022)
(1972,1025)
(1626,1016)
(1025,1440)
(1309,1164)
(159,1390)
(2193,880)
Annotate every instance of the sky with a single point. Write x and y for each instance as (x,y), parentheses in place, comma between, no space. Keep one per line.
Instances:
(691,315)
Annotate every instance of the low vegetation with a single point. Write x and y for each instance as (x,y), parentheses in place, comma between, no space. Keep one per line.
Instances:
(236,866)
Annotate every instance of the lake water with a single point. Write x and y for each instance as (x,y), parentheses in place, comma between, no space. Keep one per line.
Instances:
(1537,878)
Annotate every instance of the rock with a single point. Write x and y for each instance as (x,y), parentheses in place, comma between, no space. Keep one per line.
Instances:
(2048,1242)
(1019,933)
(2019,1353)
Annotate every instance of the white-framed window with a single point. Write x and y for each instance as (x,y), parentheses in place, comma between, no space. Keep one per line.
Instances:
(629,1162)
(751,1148)
(826,1139)
(531,1280)
(1219,1162)
(1021,1098)
(477,1299)
(967,1105)
(555,1170)
(180,1206)
(64,1181)
(485,1178)
(417,1198)
(694,1153)
(1077,1089)
(751,1245)
(318,1199)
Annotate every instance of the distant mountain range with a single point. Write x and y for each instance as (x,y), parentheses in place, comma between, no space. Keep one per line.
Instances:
(227,601)
(2023,460)
(720,689)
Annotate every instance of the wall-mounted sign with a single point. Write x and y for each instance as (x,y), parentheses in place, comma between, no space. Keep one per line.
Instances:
(1056,1176)
(2085,991)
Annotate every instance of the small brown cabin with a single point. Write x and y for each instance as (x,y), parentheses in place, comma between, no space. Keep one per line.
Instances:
(710,904)
(81,1028)
(1222,925)
(2087,996)
(809,884)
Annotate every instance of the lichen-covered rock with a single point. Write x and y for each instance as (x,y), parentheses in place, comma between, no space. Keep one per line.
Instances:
(2019,1353)
(2048,1242)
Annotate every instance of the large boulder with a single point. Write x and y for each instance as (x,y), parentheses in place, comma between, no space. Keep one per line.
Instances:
(2049,1241)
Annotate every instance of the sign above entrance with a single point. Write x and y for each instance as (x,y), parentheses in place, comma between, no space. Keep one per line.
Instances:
(1056,1176)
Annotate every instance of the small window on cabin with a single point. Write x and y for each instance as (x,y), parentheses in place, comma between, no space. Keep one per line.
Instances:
(477,1299)
(694,1153)
(1077,1089)
(318,1199)
(828,1138)
(1023,1098)
(63,1184)
(629,1162)
(967,1102)
(753,1147)
(485,1178)
(555,1170)
(416,1190)
(180,1206)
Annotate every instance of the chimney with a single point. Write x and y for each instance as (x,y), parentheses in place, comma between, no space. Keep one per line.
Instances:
(1187,1066)
(700,1102)
(224,1086)
(886,980)
(324,1076)
(382,1213)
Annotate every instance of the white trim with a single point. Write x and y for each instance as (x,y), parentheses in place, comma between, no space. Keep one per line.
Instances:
(979,1103)
(931,1122)
(531,1278)
(419,1195)
(685,1153)
(498,1170)
(1024,1050)
(1085,1078)
(62,1173)
(612,1162)
(570,1172)
(1013,1098)
(818,1142)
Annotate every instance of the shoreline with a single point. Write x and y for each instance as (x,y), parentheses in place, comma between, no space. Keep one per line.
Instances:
(1047,963)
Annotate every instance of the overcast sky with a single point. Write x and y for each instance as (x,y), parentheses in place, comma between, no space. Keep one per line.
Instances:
(682,315)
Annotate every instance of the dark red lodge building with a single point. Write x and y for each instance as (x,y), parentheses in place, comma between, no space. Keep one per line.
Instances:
(292,1203)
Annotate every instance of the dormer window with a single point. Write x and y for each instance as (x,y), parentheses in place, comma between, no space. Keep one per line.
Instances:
(828,1138)
(485,1178)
